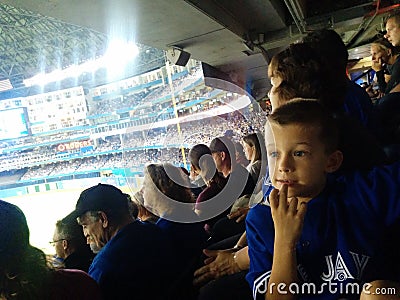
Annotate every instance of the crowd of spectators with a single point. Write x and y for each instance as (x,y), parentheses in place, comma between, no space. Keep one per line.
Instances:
(121,151)
(117,103)
(179,85)
(148,95)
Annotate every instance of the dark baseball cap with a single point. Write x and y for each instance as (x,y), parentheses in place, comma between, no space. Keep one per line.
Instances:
(101,197)
(222,144)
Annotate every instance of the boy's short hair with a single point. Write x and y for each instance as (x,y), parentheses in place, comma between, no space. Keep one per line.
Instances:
(311,113)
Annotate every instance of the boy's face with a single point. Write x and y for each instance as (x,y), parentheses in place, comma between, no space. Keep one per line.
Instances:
(297,157)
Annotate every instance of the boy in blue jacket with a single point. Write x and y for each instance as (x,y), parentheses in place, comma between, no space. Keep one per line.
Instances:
(321,236)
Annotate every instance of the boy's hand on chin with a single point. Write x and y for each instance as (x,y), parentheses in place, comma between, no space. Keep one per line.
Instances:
(288,217)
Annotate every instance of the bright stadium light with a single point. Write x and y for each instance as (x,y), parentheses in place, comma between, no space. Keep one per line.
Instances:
(118,54)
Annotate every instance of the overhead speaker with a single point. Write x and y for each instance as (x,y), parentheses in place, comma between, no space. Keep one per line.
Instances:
(177,56)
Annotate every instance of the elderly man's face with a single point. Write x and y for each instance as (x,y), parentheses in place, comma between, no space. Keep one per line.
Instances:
(94,230)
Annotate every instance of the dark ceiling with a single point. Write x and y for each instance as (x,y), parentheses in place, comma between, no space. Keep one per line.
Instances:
(235,36)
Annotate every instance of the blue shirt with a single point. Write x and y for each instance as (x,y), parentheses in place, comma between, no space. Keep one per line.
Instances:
(135,261)
(188,240)
(358,105)
(346,235)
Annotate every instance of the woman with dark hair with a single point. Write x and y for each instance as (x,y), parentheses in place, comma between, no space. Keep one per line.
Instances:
(24,272)
(166,193)
(253,145)
(165,185)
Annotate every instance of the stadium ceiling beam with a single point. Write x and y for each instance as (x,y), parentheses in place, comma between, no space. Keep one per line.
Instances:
(217,12)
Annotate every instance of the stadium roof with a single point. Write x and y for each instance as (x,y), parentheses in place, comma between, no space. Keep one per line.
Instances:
(236,37)
(31,43)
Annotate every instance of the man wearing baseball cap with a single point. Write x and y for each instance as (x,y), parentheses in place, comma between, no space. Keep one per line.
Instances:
(223,153)
(130,262)
(239,184)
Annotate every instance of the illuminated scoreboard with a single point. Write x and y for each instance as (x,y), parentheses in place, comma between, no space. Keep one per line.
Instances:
(13,123)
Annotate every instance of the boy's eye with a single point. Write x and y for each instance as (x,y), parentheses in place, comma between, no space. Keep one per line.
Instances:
(299,153)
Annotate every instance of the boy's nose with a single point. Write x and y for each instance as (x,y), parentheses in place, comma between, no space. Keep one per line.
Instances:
(284,169)
(285,165)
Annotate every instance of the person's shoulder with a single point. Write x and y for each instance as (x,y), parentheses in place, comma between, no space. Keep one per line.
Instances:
(129,235)
(357,93)
(254,165)
(168,225)
(137,226)
(389,102)
(380,181)
(385,174)
(80,259)
(238,169)
(260,229)
(257,163)
(242,172)
(212,190)
(72,274)
(397,62)
(73,284)
(260,214)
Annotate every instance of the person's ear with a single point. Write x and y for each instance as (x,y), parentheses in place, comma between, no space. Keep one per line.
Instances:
(276,81)
(223,155)
(103,219)
(64,244)
(334,162)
